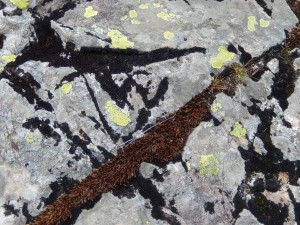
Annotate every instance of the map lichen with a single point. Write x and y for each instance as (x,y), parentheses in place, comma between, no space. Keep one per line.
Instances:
(135,22)
(156,5)
(29,139)
(9,58)
(144,6)
(223,56)
(251,23)
(238,130)
(215,107)
(66,88)
(209,165)
(168,35)
(119,40)
(165,16)
(133,14)
(89,12)
(264,23)
(117,115)
(21,4)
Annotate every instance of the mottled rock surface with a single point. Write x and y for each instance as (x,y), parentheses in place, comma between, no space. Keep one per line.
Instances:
(79,79)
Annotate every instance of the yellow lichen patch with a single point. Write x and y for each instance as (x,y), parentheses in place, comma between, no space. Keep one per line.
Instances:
(135,22)
(210,124)
(123,18)
(6,135)
(215,107)
(66,88)
(251,23)
(223,56)
(209,165)
(264,23)
(238,130)
(117,116)
(133,14)
(165,16)
(21,4)
(188,166)
(9,58)
(156,5)
(168,35)
(144,6)
(30,139)
(119,40)
(89,12)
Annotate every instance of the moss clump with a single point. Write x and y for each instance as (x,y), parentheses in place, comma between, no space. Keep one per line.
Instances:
(260,203)
(239,73)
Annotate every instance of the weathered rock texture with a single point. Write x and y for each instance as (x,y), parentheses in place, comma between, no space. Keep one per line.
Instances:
(81,79)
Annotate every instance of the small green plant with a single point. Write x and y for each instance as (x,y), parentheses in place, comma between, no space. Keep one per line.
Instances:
(229,78)
(239,73)
(260,203)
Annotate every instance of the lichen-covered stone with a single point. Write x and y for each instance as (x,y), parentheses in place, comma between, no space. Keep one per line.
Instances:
(80,79)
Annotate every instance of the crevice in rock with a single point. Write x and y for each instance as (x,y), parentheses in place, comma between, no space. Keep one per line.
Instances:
(264,6)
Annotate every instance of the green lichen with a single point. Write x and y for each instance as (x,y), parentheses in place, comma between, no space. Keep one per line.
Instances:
(30,139)
(264,23)
(210,124)
(89,12)
(119,40)
(165,16)
(209,165)
(223,56)
(117,115)
(133,14)
(238,130)
(188,166)
(135,22)
(156,5)
(144,6)
(251,23)
(215,107)
(66,88)
(123,18)
(168,35)
(9,58)
(21,4)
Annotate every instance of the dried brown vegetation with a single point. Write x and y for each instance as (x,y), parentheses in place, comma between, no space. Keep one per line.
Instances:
(293,40)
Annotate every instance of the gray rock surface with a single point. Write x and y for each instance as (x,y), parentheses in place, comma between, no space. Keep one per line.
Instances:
(70,99)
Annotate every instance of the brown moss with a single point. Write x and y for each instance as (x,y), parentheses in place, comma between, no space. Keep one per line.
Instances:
(293,40)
